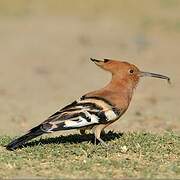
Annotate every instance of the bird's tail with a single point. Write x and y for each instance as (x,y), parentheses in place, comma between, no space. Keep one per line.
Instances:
(34,132)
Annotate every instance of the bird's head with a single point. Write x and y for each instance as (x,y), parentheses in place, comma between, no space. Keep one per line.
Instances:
(126,71)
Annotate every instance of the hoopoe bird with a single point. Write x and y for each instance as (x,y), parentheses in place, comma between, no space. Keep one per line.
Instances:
(95,110)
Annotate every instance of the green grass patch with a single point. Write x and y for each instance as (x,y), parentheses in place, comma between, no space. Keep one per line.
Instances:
(139,155)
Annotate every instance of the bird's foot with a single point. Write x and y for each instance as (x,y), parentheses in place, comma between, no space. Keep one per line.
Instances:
(101,142)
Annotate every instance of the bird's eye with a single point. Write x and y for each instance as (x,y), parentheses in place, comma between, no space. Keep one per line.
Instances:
(131,71)
(106,60)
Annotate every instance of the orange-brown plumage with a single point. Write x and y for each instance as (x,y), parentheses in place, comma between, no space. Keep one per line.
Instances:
(121,87)
(95,110)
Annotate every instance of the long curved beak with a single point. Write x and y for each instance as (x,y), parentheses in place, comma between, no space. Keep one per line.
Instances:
(148,74)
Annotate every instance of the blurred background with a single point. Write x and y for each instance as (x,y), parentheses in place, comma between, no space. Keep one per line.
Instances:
(45,48)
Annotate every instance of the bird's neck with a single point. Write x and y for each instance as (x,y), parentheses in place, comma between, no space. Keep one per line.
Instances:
(122,87)
(119,91)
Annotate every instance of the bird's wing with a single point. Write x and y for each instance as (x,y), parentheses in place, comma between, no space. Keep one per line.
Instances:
(84,112)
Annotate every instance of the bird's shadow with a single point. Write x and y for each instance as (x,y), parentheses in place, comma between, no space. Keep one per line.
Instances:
(73,139)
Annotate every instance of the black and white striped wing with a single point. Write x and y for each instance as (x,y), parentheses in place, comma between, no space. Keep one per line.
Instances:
(84,112)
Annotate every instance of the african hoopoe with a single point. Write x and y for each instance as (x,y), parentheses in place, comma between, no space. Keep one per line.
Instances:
(95,110)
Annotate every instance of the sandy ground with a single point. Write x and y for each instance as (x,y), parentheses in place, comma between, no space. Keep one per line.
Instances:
(44,63)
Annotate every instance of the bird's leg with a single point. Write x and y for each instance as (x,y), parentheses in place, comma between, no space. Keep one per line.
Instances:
(103,132)
(95,141)
(102,142)
(82,131)
(97,132)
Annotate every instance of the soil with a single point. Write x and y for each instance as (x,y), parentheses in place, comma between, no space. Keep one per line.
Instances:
(44,65)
